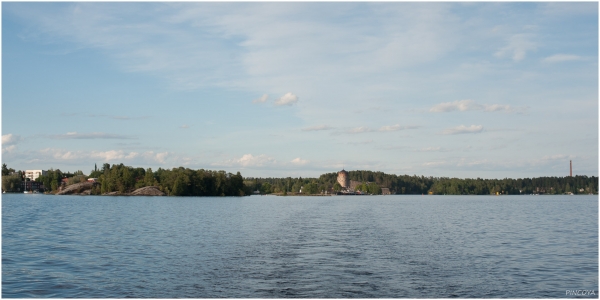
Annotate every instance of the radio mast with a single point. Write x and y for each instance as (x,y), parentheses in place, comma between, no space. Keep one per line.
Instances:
(570,168)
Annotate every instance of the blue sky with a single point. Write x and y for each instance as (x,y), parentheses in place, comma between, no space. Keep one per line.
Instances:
(489,90)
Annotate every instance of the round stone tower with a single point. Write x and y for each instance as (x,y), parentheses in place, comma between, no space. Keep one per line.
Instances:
(343,178)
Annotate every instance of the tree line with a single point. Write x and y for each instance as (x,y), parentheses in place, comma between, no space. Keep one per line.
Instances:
(124,179)
(175,182)
(187,182)
(372,182)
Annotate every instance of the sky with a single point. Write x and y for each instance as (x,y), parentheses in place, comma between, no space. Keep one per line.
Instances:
(467,90)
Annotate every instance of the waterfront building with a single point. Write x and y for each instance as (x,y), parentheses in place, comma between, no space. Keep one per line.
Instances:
(354,184)
(34,174)
(31,185)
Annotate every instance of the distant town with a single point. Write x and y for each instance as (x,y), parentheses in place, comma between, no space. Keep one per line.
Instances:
(118,179)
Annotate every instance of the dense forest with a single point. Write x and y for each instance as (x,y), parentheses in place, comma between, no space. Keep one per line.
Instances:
(187,182)
(405,184)
(175,182)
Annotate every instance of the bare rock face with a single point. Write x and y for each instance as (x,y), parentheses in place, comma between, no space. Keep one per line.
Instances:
(77,188)
(148,191)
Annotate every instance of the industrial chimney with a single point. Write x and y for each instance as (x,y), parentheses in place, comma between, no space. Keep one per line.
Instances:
(570,168)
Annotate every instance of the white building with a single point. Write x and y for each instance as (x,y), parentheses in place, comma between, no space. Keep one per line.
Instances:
(34,174)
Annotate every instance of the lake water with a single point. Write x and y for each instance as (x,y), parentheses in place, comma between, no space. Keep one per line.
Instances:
(317,247)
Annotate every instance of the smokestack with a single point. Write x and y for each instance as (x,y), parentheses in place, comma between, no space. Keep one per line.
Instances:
(570,168)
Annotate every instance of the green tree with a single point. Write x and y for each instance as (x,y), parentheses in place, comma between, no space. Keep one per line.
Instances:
(178,187)
(149,178)
(11,183)
(311,188)
(337,187)
(6,171)
(374,189)
(265,188)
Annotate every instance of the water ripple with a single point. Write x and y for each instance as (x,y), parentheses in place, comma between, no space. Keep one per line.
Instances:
(298,247)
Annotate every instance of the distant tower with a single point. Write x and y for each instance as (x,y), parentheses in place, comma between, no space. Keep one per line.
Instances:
(343,179)
(570,168)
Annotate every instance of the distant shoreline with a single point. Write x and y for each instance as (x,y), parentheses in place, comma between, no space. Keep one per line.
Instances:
(291,195)
(126,180)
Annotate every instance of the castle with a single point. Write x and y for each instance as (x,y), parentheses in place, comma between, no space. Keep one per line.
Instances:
(344,180)
(349,186)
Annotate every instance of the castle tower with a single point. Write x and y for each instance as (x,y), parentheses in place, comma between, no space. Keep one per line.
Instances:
(343,179)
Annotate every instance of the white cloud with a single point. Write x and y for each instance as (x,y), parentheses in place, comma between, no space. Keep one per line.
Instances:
(248,160)
(390,128)
(395,128)
(317,128)
(93,135)
(226,45)
(462,105)
(299,161)
(161,157)
(155,157)
(287,99)
(359,130)
(517,48)
(262,99)
(498,107)
(112,155)
(54,157)
(463,129)
(190,43)
(8,149)
(470,105)
(108,155)
(131,155)
(8,139)
(67,156)
(558,58)
(60,154)
(9,142)
(184,126)
(434,163)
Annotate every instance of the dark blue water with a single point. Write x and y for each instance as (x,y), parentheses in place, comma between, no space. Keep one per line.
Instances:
(317,247)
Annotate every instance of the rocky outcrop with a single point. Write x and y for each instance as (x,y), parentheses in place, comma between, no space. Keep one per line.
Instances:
(84,188)
(148,191)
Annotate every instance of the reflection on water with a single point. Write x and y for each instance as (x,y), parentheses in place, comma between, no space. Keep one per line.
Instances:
(318,247)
